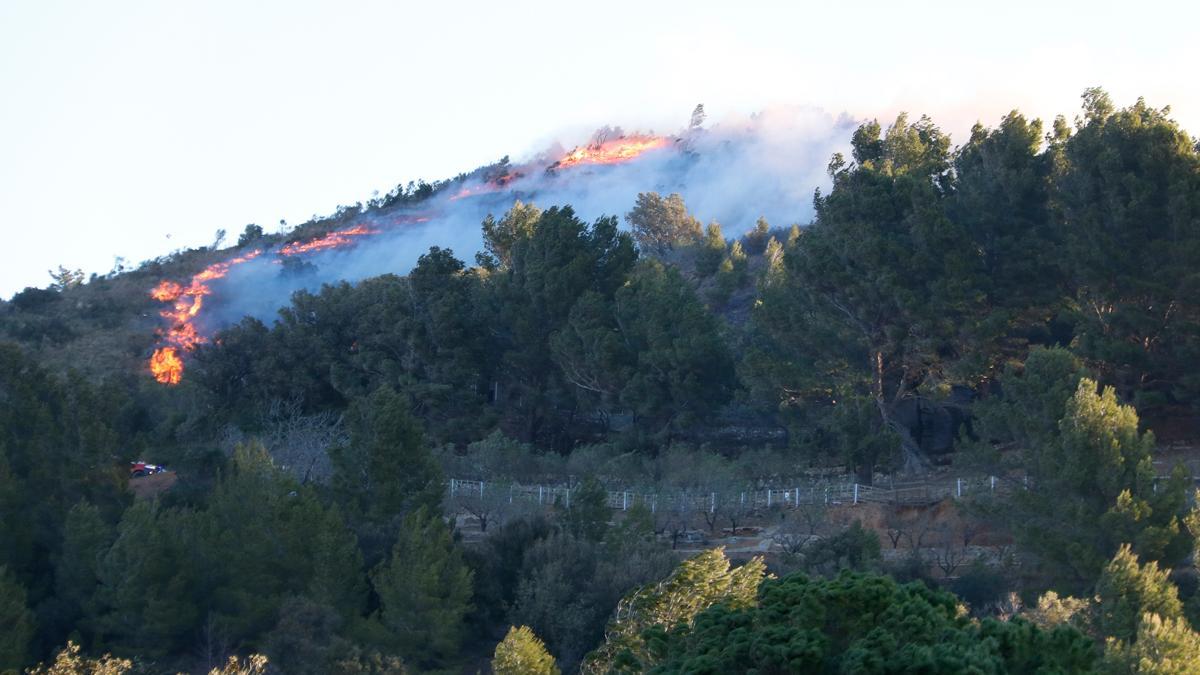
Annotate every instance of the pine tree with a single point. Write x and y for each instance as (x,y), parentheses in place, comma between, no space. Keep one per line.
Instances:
(86,538)
(662,223)
(1126,591)
(1163,647)
(386,470)
(424,590)
(756,239)
(773,271)
(697,584)
(16,623)
(522,653)
(588,514)
(708,258)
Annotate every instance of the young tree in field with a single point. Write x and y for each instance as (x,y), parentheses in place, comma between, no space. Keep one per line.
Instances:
(522,653)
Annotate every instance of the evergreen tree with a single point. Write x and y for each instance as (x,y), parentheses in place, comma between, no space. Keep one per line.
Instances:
(712,250)
(424,590)
(86,538)
(662,223)
(756,239)
(1129,191)
(553,268)
(385,471)
(1002,199)
(1090,477)
(499,236)
(884,268)
(852,624)
(773,270)
(697,584)
(587,516)
(17,621)
(522,653)
(1126,591)
(1162,647)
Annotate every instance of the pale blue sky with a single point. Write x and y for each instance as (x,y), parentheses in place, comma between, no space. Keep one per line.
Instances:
(134,128)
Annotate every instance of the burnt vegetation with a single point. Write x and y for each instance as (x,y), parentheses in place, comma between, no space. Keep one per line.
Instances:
(618,394)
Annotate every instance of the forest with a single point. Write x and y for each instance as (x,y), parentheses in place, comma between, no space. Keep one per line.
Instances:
(1019,311)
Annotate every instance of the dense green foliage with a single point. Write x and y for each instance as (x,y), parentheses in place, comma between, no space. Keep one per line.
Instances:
(1050,275)
(859,624)
(522,653)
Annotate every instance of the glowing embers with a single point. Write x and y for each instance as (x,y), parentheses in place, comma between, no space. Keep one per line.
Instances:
(335,239)
(615,151)
(166,365)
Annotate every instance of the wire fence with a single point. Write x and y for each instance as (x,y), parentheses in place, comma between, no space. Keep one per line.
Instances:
(831,493)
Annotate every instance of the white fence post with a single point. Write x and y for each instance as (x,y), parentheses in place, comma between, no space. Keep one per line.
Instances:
(993,480)
(856,493)
(958,487)
(624,501)
(481,489)
(768,498)
(540,494)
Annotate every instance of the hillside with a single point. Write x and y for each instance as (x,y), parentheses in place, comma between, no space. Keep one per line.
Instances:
(533,412)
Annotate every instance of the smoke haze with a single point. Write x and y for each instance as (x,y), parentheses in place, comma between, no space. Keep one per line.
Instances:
(764,165)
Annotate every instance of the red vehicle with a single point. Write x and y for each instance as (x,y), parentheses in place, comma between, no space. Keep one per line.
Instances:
(139,469)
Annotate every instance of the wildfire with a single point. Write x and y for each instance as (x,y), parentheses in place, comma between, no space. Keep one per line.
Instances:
(493,185)
(335,239)
(186,303)
(611,152)
(166,365)
(166,291)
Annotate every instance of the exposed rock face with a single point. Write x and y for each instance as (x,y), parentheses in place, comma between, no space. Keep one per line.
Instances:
(935,425)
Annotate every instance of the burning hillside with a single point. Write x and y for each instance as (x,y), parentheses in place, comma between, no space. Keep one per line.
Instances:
(723,174)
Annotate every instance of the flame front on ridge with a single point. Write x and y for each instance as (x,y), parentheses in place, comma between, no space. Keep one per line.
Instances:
(186,302)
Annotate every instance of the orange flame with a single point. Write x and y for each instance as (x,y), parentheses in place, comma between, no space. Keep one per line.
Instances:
(166,291)
(493,185)
(611,152)
(335,239)
(166,365)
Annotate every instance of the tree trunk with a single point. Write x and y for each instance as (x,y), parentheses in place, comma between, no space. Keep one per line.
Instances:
(915,460)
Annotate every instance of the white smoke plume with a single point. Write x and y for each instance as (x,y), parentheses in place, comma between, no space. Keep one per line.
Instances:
(767,164)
